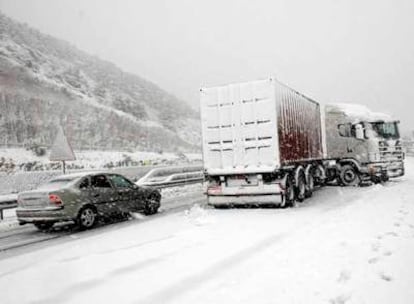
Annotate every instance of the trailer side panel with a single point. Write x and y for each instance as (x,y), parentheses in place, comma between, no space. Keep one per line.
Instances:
(299,126)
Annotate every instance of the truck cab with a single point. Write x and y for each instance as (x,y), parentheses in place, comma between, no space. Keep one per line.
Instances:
(365,145)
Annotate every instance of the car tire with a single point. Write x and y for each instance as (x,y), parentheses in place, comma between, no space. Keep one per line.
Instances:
(86,218)
(44,226)
(151,205)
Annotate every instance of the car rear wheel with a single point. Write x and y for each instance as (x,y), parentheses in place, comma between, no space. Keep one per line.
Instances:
(86,218)
(44,225)
(151,205)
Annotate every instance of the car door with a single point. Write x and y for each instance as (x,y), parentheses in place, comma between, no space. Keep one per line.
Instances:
(104,196)
(127,196)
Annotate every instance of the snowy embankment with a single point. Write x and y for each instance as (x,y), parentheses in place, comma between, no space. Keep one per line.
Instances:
(19,159)
(344,245)
(13,162)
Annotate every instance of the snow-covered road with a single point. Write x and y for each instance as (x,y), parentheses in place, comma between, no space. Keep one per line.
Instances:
(344,245)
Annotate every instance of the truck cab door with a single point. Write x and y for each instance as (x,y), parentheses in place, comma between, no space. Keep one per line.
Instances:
(353,137)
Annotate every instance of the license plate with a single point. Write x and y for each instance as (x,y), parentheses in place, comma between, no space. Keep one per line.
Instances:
(242,181)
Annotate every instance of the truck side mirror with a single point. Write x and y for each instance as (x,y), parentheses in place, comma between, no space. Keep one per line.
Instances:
(359,131)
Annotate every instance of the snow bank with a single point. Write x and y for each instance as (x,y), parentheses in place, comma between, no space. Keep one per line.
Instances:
(99,159)
(359,112)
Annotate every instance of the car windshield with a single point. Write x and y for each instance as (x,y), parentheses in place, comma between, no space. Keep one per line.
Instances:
(386,130)
(120,182)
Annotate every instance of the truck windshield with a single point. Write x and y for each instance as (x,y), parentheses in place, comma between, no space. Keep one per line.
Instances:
(386,130)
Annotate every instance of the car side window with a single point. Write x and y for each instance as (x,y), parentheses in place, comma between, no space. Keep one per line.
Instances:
(100,181)
(84,184)
(120,181)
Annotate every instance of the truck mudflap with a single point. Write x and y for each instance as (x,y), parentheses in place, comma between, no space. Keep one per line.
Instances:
(243,200)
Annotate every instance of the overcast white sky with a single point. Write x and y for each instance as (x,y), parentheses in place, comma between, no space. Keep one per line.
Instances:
(334,51)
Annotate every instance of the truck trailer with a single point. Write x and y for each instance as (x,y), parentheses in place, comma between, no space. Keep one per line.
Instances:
(265,143)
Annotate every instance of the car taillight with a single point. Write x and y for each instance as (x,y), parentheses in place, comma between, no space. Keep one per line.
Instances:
(55,199)
(216,189)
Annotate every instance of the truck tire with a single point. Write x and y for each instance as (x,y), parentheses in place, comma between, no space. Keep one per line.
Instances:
(300,188)
(288,198)
(310,185)
(349,176)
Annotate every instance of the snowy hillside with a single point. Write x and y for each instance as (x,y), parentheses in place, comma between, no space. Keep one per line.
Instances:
(45,81)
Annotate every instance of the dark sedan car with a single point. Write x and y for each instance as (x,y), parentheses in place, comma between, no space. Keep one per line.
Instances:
(82,197)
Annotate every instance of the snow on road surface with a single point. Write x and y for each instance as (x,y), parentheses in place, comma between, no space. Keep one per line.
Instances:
(344,245)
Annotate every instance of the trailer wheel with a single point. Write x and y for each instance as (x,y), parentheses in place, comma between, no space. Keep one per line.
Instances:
(349,176)
(300,189)
(288,198)
(310,185)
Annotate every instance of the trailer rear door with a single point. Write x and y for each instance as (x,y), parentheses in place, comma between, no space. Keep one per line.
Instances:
(239,125)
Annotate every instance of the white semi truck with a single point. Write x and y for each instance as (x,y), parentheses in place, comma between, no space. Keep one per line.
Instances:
(265,143)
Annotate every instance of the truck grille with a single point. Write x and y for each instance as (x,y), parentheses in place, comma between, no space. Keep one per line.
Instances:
(391,154)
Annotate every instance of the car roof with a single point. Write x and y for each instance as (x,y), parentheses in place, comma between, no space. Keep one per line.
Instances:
(82,174)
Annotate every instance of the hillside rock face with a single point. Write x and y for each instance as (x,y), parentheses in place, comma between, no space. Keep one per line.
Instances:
(46,82)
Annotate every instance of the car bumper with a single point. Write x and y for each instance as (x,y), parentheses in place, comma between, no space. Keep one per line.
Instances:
(42,215)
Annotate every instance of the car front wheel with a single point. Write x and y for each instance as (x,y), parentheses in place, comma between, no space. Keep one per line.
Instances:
(151,205)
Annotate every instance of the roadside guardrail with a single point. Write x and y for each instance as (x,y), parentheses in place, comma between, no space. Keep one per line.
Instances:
(172,176)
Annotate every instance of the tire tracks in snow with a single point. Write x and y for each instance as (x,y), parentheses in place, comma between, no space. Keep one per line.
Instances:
(25,236)
(188,283)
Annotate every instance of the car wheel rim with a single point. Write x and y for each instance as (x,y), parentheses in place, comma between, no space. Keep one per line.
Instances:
(87,217)
(151,207)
